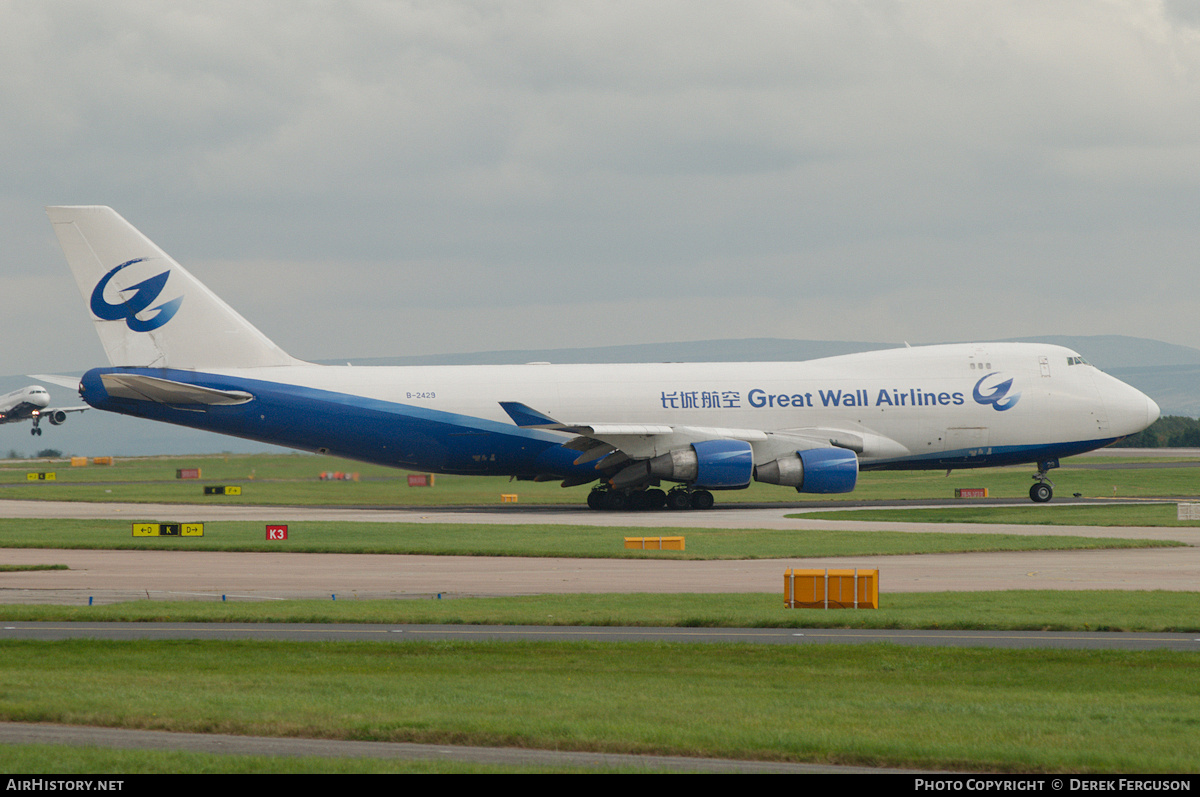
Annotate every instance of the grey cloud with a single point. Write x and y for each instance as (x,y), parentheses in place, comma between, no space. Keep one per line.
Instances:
(528,174)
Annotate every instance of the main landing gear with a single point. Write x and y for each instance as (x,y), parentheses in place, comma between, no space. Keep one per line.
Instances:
(1043,490)
(604,498)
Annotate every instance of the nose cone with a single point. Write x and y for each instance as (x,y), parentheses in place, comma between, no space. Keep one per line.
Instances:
(1129,409)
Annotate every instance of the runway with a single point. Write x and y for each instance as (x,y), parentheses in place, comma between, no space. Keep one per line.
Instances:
(401,633)
(109,576)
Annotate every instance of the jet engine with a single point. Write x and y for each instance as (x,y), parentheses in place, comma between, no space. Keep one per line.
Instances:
(56,418)
(814,470)
(711,464)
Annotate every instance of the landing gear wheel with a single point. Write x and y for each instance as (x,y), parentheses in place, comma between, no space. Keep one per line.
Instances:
(615,501)
(679,499)
(596,500)
(655,498)
(702,499)
(1043,490)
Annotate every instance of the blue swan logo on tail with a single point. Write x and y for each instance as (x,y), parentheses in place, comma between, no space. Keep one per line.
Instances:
(145,293)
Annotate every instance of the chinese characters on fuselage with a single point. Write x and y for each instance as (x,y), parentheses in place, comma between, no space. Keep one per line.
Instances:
(758,398)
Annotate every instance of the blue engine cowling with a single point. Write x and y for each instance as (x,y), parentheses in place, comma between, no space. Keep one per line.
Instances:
(709,464)
(724,464)
(814,470)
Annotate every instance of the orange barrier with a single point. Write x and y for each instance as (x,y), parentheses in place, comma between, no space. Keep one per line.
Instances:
(831,589)
(654,543)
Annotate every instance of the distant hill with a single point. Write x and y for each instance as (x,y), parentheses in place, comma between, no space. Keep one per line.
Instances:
(1168,373)
(748,350)
(1108,352)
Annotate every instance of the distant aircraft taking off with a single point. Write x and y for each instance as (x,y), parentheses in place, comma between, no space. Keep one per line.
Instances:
(181,355)
(30,404)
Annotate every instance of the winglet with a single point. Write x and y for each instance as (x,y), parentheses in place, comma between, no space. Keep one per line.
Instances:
(525,416)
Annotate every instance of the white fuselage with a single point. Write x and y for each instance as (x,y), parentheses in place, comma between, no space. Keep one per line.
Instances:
(905,403)
(23,404)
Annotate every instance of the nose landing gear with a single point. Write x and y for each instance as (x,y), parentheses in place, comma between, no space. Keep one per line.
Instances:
(1043,490)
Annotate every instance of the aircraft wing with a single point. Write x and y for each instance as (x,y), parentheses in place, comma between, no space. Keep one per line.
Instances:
(55,415)
(632,440)
(647,440)
(617,447)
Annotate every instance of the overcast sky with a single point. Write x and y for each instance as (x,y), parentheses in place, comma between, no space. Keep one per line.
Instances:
(385,178)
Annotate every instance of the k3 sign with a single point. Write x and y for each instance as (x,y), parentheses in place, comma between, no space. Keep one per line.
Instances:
(277,532)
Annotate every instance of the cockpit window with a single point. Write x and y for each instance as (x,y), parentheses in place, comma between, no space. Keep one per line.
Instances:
(1076,360)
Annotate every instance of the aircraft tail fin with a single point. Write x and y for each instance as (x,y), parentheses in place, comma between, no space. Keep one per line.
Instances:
(149,310)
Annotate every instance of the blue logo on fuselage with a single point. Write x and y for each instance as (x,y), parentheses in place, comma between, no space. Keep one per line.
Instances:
(144,293)
(998,396)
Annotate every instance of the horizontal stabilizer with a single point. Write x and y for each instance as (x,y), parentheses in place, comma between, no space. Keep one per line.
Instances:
(54,379)
(164,391)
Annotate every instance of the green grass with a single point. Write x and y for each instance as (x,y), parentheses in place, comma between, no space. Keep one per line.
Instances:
(972,709)
(1159,514)
(531,540)
(291,479)
(1027,610)
(941,708)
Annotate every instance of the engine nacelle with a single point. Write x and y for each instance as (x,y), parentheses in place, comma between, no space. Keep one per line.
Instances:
(56,418)
(711,464)
(814,470)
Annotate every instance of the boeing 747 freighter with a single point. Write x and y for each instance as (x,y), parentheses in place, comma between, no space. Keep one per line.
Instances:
(179,354)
